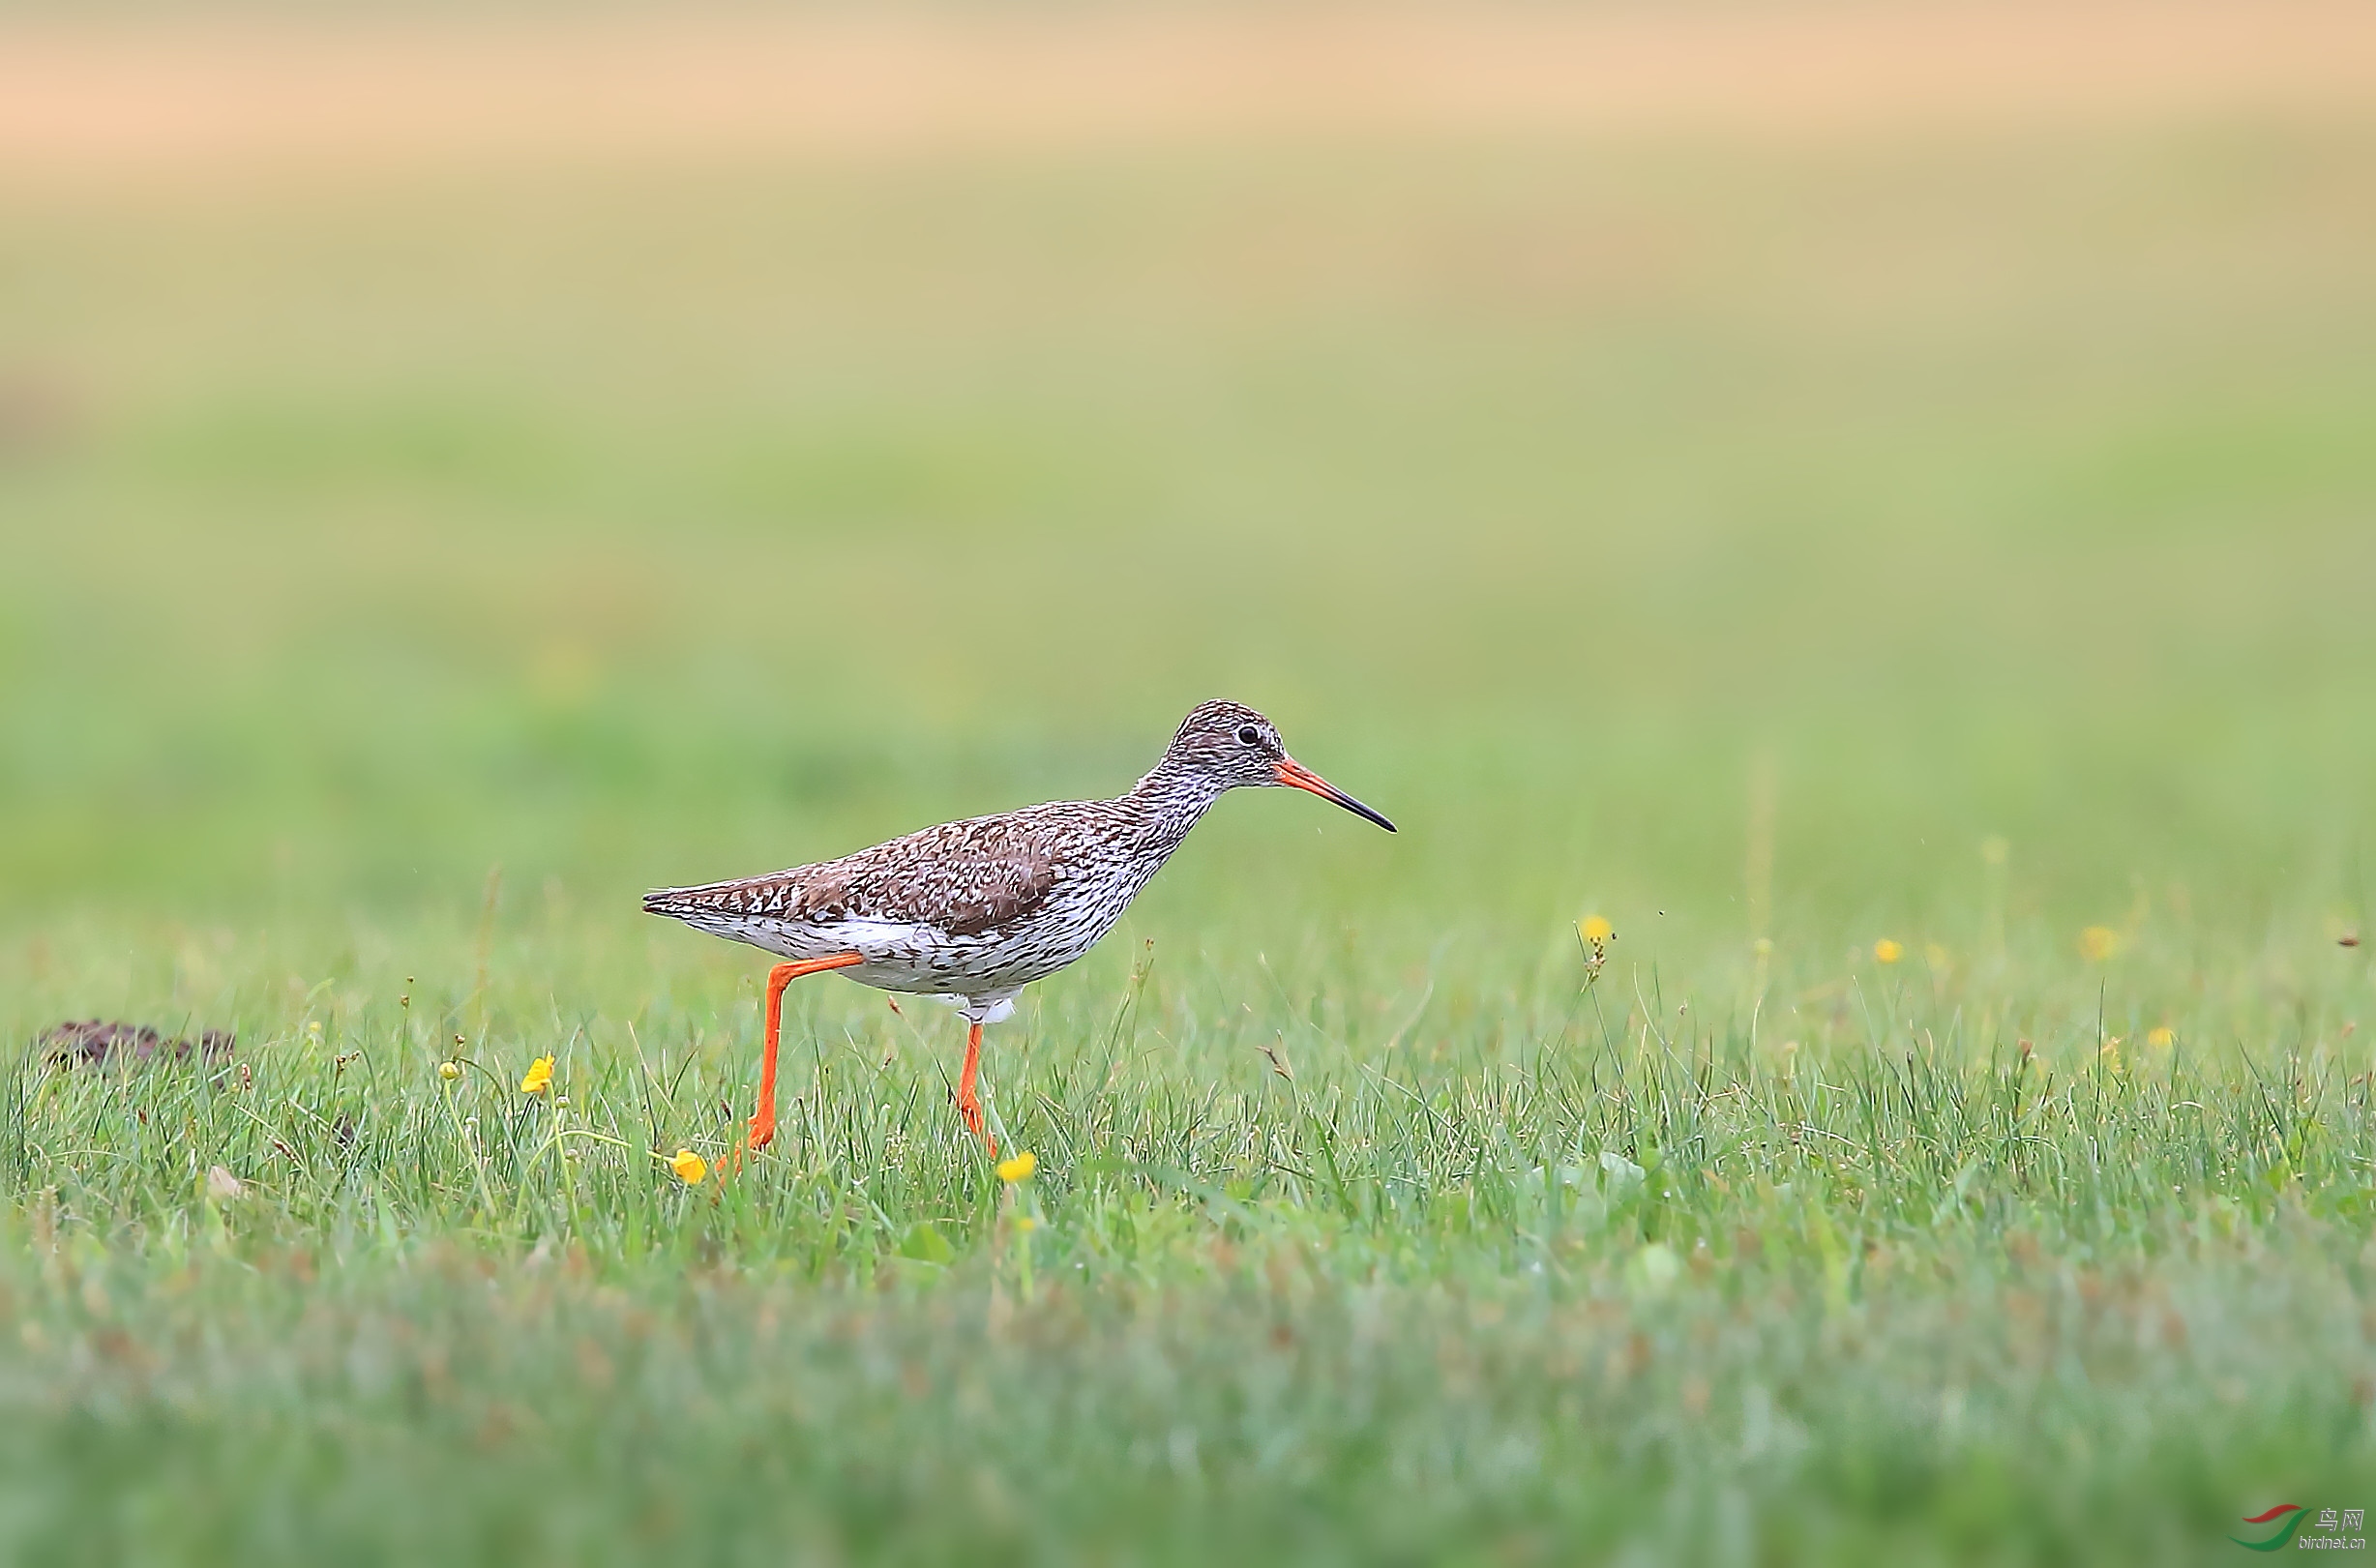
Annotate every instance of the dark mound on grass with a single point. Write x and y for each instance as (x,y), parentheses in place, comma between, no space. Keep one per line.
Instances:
(95,1042)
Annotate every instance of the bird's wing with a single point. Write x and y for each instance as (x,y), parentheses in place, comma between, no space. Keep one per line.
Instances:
(961,877)
(964,877)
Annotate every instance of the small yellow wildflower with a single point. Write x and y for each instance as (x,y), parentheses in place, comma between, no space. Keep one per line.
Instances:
(539,1075)
(2160,1037)
(1026,1224)
(449,1071)
(1020,1168)
(2097,943)
(1596,928)
(1886,951)
(690,1167)
(1936,956)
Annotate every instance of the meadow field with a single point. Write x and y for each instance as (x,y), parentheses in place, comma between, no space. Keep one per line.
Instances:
(1914,582)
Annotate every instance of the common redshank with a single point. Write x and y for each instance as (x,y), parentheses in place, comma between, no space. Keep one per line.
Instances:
(973,912)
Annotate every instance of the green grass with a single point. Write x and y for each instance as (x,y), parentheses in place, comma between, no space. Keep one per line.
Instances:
(1734,544)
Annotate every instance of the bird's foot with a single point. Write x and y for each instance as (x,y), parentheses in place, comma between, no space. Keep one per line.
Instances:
(970,1111)
(761,1132)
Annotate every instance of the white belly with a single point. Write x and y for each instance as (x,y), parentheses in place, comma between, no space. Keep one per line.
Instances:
(900,956)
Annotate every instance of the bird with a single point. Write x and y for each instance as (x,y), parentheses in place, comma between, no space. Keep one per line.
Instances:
(972,911)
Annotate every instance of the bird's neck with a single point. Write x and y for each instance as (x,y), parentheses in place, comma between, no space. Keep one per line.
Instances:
(1172,798)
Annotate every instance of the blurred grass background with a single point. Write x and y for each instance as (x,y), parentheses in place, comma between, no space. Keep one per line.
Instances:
(1722,524)
(601,519)
(1985,488)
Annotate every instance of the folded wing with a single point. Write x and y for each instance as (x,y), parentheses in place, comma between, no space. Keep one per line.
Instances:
(963,878)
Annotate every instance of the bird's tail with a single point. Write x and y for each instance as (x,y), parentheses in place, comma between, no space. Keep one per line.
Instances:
(696,906)
(707,900)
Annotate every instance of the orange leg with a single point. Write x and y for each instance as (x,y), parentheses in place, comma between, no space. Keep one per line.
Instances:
(763,1124)
(969,1103)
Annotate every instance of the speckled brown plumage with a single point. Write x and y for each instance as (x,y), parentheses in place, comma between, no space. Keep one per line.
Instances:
(985,873)
(973,912)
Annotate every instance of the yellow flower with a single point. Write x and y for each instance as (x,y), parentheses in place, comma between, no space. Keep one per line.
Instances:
(1936,956)
(449,1071)
(1595,928)
(2160,1037)
(1026,1223)
(690,1167)
(1019,1168)
(1888,952)
(2097,943)
(539,1074)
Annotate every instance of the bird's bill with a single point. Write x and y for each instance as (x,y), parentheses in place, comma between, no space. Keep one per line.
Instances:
(1295,776)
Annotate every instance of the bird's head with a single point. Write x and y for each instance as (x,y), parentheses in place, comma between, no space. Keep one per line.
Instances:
(1235,747)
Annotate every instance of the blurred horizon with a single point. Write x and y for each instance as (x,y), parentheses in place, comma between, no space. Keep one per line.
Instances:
(368,90)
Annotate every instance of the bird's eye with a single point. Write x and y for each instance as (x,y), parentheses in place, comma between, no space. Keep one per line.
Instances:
(1248,735)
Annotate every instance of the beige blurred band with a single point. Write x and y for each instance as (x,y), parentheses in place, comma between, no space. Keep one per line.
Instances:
(130,97)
